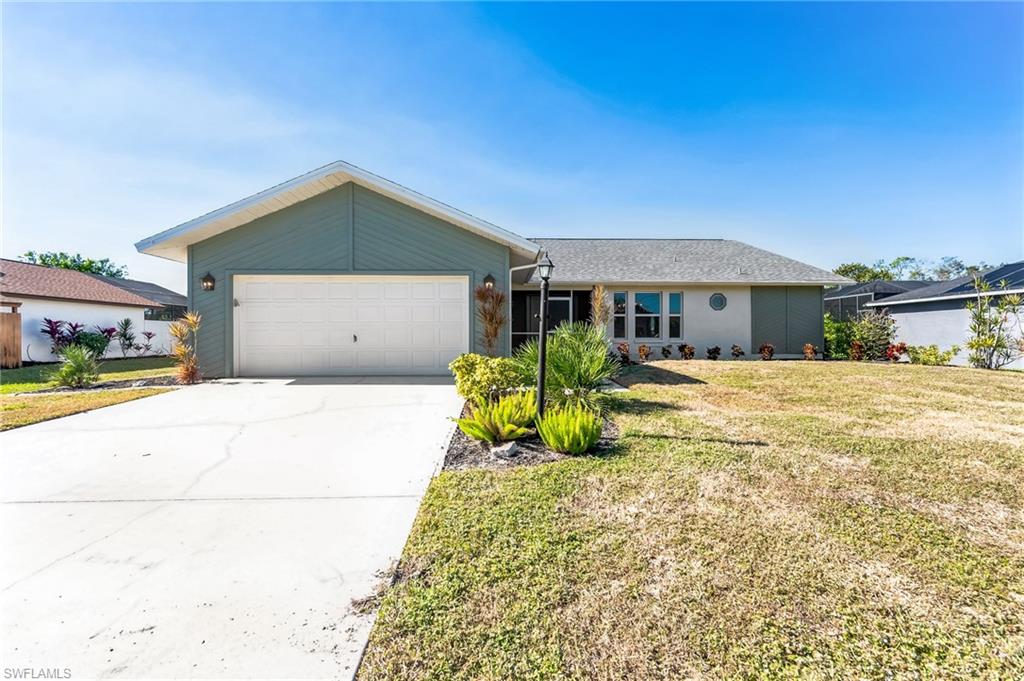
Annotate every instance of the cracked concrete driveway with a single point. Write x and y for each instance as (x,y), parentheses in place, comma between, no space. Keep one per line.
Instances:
(219,531)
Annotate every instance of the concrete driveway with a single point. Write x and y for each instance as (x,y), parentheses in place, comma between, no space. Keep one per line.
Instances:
(219,531)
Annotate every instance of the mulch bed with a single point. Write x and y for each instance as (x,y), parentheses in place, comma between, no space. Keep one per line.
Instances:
(465,453)
(109,385)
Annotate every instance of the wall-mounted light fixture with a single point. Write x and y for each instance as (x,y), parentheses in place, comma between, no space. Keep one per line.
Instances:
(489,281)
(208,282)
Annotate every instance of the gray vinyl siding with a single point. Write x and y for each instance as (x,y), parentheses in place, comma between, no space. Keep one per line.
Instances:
(787,317)
(347,230)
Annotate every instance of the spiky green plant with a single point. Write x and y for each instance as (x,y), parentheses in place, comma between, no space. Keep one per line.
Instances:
(507,418)
(578,362)
(78,367)
(570,429)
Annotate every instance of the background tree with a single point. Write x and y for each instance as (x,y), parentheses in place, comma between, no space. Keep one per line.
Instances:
(905,267)
(860,272)
(77,262)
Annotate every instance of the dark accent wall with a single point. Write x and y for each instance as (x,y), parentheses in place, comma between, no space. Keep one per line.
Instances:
(787,317)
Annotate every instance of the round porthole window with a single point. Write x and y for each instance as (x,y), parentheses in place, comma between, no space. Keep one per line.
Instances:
(717,301)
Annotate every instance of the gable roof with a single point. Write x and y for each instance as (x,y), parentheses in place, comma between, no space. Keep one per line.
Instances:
(173,243)
(37,281)
(147,290)
(711,261)
(877,286)
(962,287)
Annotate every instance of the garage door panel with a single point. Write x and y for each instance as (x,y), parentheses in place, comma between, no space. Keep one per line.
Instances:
(349,324)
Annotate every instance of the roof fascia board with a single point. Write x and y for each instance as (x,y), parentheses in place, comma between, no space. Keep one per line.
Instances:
(347,172)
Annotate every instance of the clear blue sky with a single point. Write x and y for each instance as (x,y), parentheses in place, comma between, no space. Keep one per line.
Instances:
(825,132)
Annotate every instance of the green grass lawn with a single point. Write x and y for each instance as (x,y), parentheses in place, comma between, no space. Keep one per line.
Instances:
(28,379)
(24,410)
(758,520)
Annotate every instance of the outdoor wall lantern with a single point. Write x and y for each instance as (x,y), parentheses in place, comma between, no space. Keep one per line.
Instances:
(544,268)
(208,282)
(489,281)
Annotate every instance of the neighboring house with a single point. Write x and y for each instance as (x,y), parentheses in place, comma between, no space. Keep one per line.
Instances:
(846,302)
(936,314)
(340,271)
(89,299)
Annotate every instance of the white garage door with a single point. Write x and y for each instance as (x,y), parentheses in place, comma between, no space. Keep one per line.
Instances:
(356,325)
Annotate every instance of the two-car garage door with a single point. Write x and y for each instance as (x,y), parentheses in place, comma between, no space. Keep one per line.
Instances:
(311,325)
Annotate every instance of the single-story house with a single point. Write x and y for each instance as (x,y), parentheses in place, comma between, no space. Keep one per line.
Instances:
(936,314)
(846,302)
(340,271)
(88,299)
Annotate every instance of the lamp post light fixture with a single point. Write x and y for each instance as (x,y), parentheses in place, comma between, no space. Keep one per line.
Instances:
(544,268)
(207,282)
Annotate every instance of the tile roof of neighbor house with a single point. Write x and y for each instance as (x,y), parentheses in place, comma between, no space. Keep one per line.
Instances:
(962,287)
(147,290)
(718,261)
(37,281)
(876,286)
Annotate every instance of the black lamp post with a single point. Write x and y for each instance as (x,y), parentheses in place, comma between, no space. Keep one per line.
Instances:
(544,269)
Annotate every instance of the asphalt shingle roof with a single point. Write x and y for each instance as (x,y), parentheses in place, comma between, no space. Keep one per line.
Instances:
(877,286)
(22,278)
(150,291)
(719,261)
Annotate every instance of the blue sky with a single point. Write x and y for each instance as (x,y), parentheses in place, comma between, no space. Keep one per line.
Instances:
(825,132)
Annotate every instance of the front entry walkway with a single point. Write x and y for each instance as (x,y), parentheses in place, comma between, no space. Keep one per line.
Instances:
(219,531)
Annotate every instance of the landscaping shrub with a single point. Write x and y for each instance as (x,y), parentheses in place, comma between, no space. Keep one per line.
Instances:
(666,351)
(996,327)
(125,335)
(875,330)
(600,309)
(78,367)
(507,418)
(856,350)
(490,310)
(931,355)
(94,342)
(687,351)
(895,351)
(578,362)
(570,430)
(623,350)
(767,351)
(480,378)
(737,351)
(810,351)
(185,332)
(713,352)
(838,336)
(643,351)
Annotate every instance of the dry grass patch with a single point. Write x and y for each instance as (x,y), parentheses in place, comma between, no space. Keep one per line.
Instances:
(24,410)
(757,520)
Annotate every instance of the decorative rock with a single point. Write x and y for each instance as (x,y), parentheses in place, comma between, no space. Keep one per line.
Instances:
(506,450)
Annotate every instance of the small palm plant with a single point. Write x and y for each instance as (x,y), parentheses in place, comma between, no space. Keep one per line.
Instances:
(78,367)
(185,332)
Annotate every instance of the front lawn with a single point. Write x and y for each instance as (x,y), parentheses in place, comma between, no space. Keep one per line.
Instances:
(24,410)
(757,519)
(31,378)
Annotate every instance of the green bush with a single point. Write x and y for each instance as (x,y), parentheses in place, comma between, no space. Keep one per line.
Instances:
(479,378)
(930,355)
(838,336)
(94,342)
(875,330)
(578,362)
(507,418)
(78,368)
(570,429)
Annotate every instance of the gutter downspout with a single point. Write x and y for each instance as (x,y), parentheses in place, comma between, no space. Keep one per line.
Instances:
(517,268)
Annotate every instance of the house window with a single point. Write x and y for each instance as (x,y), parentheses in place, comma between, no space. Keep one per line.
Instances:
(647,315)
(619,314)
(717,301)
(675,315)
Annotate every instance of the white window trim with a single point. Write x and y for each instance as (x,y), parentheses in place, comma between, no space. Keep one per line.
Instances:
(631,313)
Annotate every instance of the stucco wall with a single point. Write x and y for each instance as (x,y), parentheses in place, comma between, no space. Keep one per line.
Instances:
(932,325)
(35,346)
